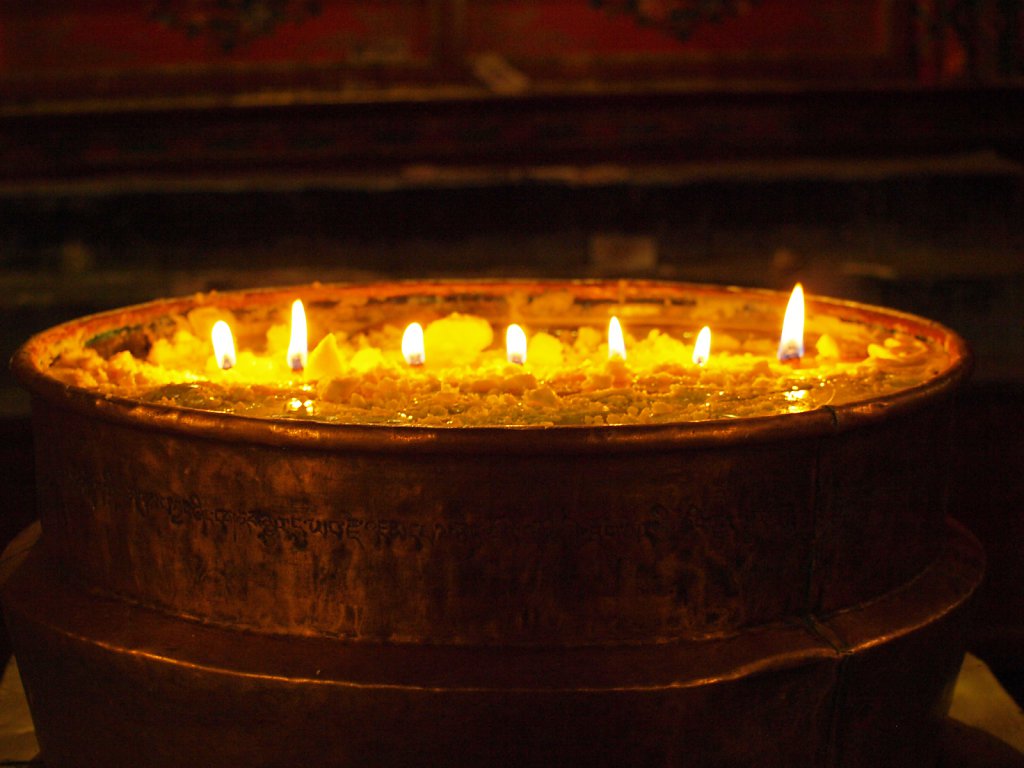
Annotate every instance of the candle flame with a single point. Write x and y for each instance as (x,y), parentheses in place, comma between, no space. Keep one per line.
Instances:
(412,344)
(298,345)
(702,347)
(515,344)
(791,343)
(223,345)
(616,342)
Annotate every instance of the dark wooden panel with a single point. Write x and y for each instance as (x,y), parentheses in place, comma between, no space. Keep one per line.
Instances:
(240,88)
(326,140)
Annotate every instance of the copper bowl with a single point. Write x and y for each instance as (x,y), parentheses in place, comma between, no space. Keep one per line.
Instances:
(538,537)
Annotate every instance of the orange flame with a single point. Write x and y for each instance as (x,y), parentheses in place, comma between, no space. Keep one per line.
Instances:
(412,344)
(702,347)
(791,343)
(298,345)
(515,344)
(223,345)
(616,342)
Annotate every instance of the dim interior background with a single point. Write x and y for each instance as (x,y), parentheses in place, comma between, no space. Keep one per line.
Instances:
(872,150)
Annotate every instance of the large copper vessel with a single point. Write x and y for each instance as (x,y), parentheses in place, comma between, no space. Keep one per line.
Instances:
(216,590)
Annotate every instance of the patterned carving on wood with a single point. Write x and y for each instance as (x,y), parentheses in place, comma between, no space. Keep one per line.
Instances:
(680,17)
(231,23)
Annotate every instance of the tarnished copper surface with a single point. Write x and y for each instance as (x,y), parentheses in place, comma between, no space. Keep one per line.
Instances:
(776,591)
(525,536)
(116,685)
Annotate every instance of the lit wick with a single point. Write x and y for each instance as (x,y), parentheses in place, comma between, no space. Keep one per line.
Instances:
(515,344)
(616,343)
(223,345)
(412,344)
(297,346)
(791,343)
(702,347)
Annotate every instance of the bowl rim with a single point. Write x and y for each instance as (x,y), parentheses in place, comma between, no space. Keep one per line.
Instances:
(30,360)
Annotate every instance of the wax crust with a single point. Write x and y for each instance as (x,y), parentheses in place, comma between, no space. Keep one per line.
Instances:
(361,377)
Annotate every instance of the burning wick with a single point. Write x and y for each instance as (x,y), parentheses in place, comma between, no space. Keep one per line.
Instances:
(297,346)
(616,343)
(791,343)
(223,345)
(412,344)
(702,347)
(515,344)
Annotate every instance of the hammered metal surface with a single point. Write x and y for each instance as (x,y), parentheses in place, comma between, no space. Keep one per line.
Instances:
(880,506)
(565,536)
(116,685)
(764,592)
(480,548)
